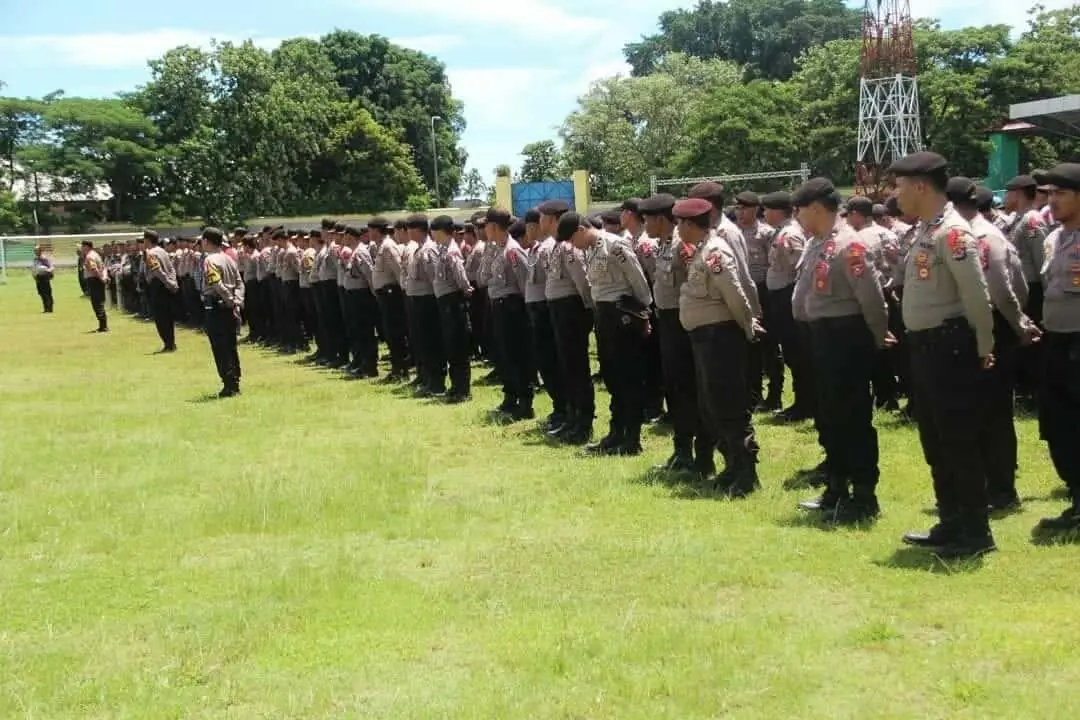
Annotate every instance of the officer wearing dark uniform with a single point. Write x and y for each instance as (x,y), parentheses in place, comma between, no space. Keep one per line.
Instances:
(161,286)
(694,444)
(452,290)
(506,286)
(951,330)
(1059,401)
(223,300)
(715,311)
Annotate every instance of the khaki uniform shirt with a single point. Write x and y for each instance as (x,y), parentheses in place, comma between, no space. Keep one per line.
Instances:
(712,292)
(1061,280)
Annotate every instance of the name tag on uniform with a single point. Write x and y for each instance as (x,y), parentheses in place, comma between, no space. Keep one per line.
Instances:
(1074,275)
(922,265)
(821,277)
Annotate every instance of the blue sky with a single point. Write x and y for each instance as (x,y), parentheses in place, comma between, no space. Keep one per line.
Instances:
(519,65)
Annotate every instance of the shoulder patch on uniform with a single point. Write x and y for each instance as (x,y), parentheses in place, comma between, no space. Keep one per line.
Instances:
(212,276)
(512,257)
(1034,221)
(983,246)
(957,244)
(646,249)
(856,253)
(715,262)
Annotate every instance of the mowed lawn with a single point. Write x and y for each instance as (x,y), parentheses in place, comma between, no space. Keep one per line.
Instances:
(323,549)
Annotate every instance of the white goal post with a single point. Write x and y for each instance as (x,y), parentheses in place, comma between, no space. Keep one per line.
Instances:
(803,173)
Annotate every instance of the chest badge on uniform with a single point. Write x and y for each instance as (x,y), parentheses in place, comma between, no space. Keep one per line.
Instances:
(1074,271)
(922,265)
(829,249)
(821,276)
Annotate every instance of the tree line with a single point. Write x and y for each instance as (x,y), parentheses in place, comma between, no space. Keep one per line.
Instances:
(342,124)
(749,86)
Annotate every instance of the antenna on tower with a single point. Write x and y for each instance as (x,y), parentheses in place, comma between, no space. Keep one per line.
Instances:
(888,93)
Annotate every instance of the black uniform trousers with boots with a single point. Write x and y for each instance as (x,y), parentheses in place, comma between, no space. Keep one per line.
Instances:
(572,322)
(494,347)
(764,361)
(721,354)
(309,314)
(192,301)
(269,308)
(796,357)
(998,433)
(478,321)
(1029,359)
(653,398)
(253,309)
(693,439)
(1059,408)
(95,288)
(427,344)
(546,359)
(44,291)
(363,309)
(391,301)
(948,384)
(291,334)
(221,332)
(333,324)
(621,348)
(161,307)
(899,357)
(843,351)
(514,353)
(456,343)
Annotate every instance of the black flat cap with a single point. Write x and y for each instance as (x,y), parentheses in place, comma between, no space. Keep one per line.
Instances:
(352,232)
(1039,176)
(747,198)
(1065,176)
(892,206)
(379,223)
(1021,182)
(277,234)
(532,215)
(517,229)
(631,204)
(317,234)
(213,235)
(595,221)
(499,216)
(984,198)
(611,217)
(862,205)
(960,189)
(569,224)
(326,223)
(459,226)
(417,221)
(399,225)
(692,208)
(777,200)
(920,163)
(659,204)
(444,223)
(553,207)
(339,227)
(812,191)
(239,230)
(708,191)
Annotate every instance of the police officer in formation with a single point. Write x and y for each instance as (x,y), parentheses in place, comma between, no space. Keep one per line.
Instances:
(161,287)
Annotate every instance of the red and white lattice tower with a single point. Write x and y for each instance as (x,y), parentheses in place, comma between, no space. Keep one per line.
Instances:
(888,92)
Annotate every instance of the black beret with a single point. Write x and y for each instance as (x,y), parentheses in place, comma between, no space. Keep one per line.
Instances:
(984,198)
(417,221)
(517,229)
(692,207)
(480,222)
(317,234)
(611,217)
(631,204)
(469,228)
(459,226)
(813,190)
(213,235)
(920,163)
(1039,176)
(444,223)
(748,198)
(278,234)
(354,231)
(379,223)
(1065,176)
(532,215)
(339,227)
(267,228)
(892,206)
(879,210)
(960,189)
(553,207)
(326,223)
(660,204)
(150,235)
(861,205)
(595,221)
(569,224)
(478,215)
(1021,182)
(500,217)
(777,201)
(707,190)
(399,224)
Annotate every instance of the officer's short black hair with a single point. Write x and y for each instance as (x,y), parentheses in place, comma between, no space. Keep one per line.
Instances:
(88,244)
(892,206)
(517,229)
(213,236)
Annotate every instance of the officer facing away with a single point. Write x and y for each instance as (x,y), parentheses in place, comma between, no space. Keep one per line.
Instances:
(223,299)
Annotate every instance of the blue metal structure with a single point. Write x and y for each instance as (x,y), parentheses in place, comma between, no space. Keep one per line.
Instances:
(527,195)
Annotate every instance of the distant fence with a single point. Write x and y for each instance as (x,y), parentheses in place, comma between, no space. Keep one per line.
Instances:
(18,251)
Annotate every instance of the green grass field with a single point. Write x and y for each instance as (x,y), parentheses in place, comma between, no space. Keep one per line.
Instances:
(323,549)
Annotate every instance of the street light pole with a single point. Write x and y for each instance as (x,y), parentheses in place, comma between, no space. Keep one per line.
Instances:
(435,156)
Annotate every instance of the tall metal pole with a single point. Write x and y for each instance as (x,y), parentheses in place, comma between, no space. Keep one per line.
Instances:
(435,156)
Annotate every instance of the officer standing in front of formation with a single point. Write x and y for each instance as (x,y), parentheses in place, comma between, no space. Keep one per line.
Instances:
(621,297)
(693,442)
(43,272)
(452,291)
(1012,328)
(715,312)
(223,300)
(951,332)
(1059,400)
(506,285)
(161,286)
(840,295)
(94,274)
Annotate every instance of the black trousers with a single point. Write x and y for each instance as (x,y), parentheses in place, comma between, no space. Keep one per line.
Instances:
(44,291)
(391,301)
(221,332)
(844,352)
(622,364)
(1029,359)
(948,384)
(493,344)
(362,311)
(572,323)
(806,338)
(998,432)
(479,307)
(721,354)
(161,307)
(345,341)
(427,342)
(653,392)
(95,288)
(83,287)
(309,318)
(269,308)
(764,357)
(113,292)
(1059,406)
(291,335)
(456,343)
(784,329)
(898,354)
(511,323)
(546,354)
(192,300)
(253,308)
(680,387)
(334,343)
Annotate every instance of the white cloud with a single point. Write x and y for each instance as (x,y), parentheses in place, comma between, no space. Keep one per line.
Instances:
(538,17)
(429,44)
(499,96)
(100,50)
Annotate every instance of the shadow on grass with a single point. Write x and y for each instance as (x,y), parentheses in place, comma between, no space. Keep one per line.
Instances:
(683,485)
(660,429)
(207,398)
(916,559)
(805,480)
(1043,538)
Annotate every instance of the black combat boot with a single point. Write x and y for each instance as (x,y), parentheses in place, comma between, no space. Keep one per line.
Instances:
(861,507)
(631,443)
(608,443)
